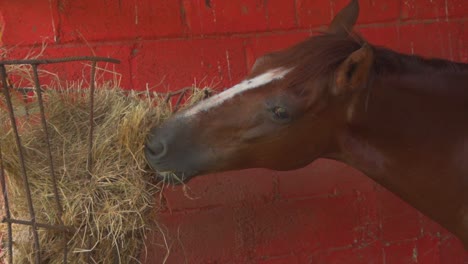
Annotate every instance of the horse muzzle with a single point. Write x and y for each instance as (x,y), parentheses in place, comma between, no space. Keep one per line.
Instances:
(171,151)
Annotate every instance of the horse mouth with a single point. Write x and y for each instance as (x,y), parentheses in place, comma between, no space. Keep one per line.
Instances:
(168,175)
(175,177)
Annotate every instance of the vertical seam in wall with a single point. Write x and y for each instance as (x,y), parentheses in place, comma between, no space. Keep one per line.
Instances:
(131,59)
(449,34)
(267,14)
(399,23)
(59,22)
(183,19)
(332,11)
(245,46)
(51,10)
(446,10)
(56,25)
(384,261)
(296,14)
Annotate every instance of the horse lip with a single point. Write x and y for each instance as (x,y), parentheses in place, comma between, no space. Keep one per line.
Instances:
(175,177)
(165,174)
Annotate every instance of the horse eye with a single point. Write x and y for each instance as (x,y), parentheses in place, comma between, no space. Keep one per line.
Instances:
(280,113)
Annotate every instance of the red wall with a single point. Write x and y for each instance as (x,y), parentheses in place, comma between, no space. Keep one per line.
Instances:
(325,213)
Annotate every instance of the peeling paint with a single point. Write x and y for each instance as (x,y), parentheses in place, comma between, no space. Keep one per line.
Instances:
(53,21)
(136,15)
(228,66)
(2,28)
(415,254)
(446,11)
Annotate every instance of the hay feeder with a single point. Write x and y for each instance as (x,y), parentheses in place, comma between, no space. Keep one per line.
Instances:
(74,180)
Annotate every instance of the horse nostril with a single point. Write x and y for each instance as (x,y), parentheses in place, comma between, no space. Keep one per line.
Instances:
(156,150)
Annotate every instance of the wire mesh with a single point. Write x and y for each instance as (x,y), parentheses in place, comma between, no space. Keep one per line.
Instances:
(32,223)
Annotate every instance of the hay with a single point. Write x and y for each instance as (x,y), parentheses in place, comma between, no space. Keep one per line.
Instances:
(111,205)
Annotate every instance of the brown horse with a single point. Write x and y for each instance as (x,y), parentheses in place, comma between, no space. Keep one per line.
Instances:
(400,119)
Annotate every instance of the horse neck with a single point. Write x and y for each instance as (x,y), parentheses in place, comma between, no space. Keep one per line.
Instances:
(404,114)
(406,132)
(409,99)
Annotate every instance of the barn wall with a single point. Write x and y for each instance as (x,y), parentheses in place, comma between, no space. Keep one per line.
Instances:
(324,213)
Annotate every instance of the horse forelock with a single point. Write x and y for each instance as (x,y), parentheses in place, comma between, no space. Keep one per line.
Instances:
(258,81)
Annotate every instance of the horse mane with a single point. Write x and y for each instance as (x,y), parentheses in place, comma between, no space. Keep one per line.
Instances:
(320,55)
(389,61)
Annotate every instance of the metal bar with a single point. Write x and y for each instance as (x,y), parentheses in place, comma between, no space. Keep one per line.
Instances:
(179,100)
(58,204)
(41,225)
(181,93)
(167,96)
(23,90)
(59,60)
(7,208)
(90,144)
(32,214)
(47,138)
(32,223)
(91,119)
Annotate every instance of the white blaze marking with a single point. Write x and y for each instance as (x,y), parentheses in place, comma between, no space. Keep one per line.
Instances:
(215,100)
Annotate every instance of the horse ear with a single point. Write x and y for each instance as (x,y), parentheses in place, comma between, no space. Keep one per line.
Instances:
(354,72)
(261,61)
(344,21)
